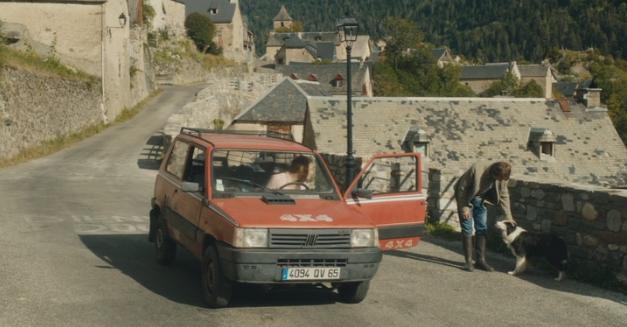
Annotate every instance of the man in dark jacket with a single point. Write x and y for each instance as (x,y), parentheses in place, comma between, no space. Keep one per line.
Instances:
(482,183)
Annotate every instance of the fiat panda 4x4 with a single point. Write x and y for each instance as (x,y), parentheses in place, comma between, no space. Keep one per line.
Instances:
(218,195)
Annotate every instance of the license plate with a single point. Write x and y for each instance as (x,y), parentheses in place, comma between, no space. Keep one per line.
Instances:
(310,273)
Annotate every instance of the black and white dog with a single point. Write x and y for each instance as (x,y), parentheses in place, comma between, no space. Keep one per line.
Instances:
(524,244)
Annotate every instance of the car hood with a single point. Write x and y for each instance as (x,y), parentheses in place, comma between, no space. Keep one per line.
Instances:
(303,213)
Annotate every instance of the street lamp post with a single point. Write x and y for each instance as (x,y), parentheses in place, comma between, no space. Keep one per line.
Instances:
(347,29)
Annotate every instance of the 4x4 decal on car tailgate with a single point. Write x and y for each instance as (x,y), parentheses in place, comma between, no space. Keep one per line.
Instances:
(306,218)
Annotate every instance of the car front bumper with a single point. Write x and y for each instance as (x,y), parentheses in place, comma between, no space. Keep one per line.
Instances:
(265,265)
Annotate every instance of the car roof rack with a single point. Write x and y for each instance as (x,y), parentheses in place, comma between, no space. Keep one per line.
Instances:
(197,131)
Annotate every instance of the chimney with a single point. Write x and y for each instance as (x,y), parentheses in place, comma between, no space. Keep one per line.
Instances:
(592,97)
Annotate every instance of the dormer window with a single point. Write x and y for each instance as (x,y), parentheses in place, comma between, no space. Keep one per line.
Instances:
(294,76)
(416,140)
(542,143)
(313,77)
(546,148)
(338,81)
(213,11)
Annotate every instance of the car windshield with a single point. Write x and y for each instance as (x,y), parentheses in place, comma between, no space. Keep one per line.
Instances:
(238,172)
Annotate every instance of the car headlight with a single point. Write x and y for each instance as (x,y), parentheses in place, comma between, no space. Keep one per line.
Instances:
(364,238)
(250,238)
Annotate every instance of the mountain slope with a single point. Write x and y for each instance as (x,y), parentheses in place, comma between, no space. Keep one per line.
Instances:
(486,30)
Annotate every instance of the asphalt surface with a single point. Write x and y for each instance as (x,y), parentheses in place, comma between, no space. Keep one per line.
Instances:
(73,252)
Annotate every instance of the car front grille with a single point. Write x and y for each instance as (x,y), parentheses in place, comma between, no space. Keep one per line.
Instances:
(312,262)
(310,238)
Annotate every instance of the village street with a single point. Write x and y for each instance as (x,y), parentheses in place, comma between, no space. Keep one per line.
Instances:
(74,252)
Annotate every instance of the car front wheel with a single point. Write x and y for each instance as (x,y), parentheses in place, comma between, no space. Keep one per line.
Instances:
(353,292)
(217,290)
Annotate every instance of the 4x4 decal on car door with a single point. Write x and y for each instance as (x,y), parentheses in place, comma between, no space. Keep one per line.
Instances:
(389,190)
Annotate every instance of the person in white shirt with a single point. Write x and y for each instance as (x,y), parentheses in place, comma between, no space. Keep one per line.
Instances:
(292,179)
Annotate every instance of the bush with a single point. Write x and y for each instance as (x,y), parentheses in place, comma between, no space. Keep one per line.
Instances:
(148,14)
(201,30)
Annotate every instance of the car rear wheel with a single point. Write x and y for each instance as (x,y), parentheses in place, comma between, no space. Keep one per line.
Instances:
(165,247)
(353,292)
(217,290)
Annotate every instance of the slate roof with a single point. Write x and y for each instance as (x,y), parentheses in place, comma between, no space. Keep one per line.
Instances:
(294,42)
(286,102)
(325,50)
(532,70)
(225,8)
(326,74)
(489,71)
(277,39)
(566,88)
(282,15)
(464,130)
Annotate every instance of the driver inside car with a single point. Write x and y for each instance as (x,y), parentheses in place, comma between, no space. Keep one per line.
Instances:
(292,179)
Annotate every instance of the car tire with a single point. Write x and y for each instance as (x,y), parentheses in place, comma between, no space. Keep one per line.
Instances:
(353,292)
(216,289)
(165,247)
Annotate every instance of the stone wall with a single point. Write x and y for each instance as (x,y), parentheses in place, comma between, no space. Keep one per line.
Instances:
(591,219)
(142,76)
(228,93)
(35,108)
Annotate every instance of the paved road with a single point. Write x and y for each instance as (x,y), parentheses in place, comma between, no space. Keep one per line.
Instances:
(73,252)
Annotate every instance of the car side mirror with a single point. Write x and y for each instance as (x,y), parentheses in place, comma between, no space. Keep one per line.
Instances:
(190,187)
(362,193)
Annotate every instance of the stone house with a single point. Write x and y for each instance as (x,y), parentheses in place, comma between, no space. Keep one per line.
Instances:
(321,41)
(443,56)
(331,77)
(105,45)
(294,49)
(282,109)
(541,74)
(314,40)
(232,34)
(480,77)
(282,20)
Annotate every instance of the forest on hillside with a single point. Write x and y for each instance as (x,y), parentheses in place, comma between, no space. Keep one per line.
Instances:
(482,30)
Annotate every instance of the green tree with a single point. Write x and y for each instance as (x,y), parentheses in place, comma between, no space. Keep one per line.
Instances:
(148,14)
(201,30)
(402,34)
(529,90)
(506,86)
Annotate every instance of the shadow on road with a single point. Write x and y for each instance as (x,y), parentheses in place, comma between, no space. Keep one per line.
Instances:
(133,255)
(426,258)
(152,152)
(536,273)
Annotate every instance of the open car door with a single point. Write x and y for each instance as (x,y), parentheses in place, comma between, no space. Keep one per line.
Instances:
(389,191)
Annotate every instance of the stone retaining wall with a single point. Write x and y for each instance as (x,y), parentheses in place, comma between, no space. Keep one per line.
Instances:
(36,108)
(592,220)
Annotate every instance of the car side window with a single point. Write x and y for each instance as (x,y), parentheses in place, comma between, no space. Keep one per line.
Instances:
(195,169)
(176,161)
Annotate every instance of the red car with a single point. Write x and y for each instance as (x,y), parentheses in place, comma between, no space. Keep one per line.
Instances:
(260,209)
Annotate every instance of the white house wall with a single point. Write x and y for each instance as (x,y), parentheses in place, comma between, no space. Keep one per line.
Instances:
(74,29)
